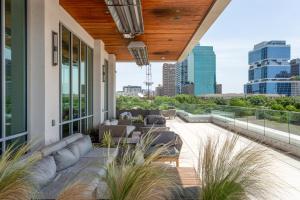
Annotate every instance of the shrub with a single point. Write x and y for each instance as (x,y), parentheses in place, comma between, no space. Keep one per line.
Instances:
(291,108)
(228,171)
(238,102)
(277,107)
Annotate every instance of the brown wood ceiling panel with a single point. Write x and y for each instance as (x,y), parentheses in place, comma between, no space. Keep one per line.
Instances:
(169,25)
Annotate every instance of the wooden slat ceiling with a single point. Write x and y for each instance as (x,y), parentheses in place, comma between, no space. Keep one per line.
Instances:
(169,25)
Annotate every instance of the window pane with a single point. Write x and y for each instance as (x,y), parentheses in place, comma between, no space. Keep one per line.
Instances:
(65,130)
(65,74)
(90,81)
(15,67)
(90,123)
(75,77)
(16,142)
(83,126)
(76,128)
(83,75)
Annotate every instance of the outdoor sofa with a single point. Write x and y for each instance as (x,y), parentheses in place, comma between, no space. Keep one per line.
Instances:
(70,160)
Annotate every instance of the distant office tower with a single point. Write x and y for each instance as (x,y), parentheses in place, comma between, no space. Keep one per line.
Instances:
(132,90)
(197,73)
(295,67)
(159,91)
(181,76)
(270,70)
(219,89)
(202,70)
(169,79)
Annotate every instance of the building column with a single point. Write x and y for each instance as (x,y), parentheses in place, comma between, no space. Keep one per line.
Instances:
(112,86)
(97,83)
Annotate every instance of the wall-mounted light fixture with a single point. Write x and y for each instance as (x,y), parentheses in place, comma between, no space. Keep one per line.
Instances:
(54,48)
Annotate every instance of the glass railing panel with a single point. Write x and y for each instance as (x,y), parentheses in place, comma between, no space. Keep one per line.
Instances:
(276,125)
(294,127)
(256,121)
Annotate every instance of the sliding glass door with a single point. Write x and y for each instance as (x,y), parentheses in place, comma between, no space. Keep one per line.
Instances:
(76,89)
(13,73)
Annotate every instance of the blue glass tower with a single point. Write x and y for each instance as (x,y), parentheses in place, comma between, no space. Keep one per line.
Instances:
(197,73)
(202,70)
(270,70)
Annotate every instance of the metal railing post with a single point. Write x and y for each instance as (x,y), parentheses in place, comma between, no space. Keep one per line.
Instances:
(264,114)
(288,119)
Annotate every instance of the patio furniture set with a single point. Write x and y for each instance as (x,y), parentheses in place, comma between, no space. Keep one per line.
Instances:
(76,158)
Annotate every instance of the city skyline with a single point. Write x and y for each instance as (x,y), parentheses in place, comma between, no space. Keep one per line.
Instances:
(233,36)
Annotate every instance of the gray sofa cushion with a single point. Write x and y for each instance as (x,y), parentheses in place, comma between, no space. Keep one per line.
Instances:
(72,138)
(84,144)
(74,149)
(86,170)
(156,119)
(48,150)
(43,171)
(64,158)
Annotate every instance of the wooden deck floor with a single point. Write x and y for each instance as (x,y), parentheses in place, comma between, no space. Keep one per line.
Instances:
(187,179)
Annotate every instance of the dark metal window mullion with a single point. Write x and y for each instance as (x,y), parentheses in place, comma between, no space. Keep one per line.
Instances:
(71,84)
(2,72)
(79,86)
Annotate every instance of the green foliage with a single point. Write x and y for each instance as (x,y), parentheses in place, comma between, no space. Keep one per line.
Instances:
(228,172)
(238,102)
(257,100)
(14,173)
(220,101)
(290,108)
(277,107)
(107,140)
(198,105)
(135,177)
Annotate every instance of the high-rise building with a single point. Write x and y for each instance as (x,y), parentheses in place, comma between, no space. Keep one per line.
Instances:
(197,72)
(169,79)
(181,75)
(159,90)
(295,67)
(270,70)
(202,70)
(219,89)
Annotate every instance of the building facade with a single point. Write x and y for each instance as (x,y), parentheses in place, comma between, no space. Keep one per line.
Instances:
(181,75)
(133,91)
(159,90)
(202,70)
(270,70)
(219,89)
(169,79)
(56,79)
(295,67)
(197,72)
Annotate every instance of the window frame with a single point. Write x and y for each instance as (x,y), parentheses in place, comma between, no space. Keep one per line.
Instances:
(4,138)
(88,116)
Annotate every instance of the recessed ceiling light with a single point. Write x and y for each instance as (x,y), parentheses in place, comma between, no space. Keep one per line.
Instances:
(163,58)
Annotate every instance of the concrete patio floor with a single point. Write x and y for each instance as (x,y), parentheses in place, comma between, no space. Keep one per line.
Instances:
(285,169)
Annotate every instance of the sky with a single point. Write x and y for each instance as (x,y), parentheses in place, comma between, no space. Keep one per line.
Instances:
(243,24)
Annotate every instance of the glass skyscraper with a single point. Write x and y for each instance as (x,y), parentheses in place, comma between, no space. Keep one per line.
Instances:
(197,70)
(204,70)
(270,70)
